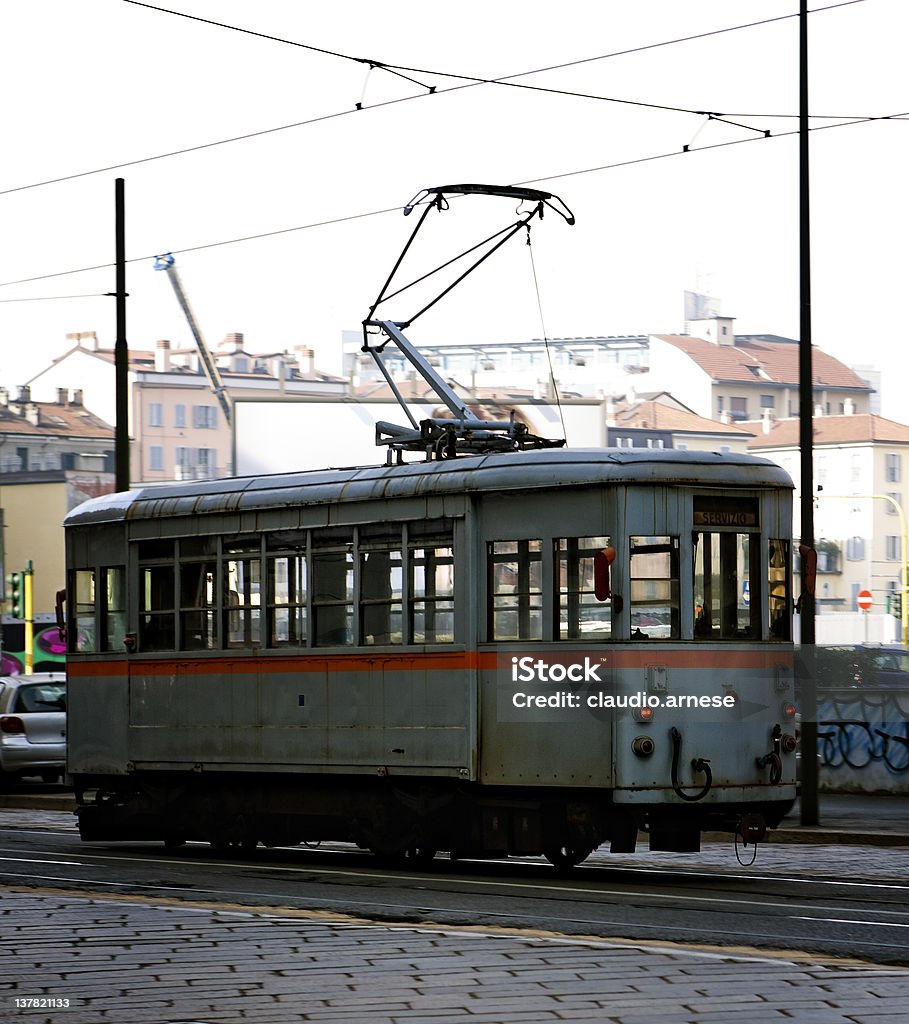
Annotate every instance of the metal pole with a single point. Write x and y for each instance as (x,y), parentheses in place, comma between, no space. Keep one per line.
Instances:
(809,798)
(121,352)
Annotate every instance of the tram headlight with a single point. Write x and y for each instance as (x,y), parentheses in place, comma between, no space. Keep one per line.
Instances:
(644,714)
(643,746)
(788,743)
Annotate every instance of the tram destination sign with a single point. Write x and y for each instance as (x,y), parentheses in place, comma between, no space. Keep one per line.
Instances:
(720,511)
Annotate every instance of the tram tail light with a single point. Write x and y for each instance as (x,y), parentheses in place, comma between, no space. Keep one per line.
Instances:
(643,714)
(788,709)
(11,725)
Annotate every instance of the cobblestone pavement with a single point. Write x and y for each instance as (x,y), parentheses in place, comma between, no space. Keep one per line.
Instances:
(128,961)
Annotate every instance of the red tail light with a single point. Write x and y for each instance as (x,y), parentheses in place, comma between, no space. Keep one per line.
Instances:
(12,725)
(789,710)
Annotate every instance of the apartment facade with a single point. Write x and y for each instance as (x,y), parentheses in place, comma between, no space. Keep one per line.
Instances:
(177,427)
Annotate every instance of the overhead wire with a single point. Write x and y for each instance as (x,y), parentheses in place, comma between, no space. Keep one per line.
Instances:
(528,181)
(467,82)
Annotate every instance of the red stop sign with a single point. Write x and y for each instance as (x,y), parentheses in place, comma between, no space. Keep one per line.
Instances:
(864,600)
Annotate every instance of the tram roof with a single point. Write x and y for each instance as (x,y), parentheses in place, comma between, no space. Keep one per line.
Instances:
(543,468)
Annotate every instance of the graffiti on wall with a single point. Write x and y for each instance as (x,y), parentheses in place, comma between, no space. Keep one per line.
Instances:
(863,740)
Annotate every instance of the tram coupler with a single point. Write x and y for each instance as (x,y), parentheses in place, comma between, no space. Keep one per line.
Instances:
(753,829)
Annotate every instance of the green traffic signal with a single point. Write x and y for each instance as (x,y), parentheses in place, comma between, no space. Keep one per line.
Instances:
(16,594)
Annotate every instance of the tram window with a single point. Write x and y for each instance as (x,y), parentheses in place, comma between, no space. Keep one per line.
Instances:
(198,605)
(85,633)
(243,591)
(515,574)
(431,592)
(654,572)
(725,568)
(287,599)
(380,592)
(332,587)
(156,613)
(582,616)
(114,611)
(778,590)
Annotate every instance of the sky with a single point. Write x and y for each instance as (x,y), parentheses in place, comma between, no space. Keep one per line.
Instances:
(288,233)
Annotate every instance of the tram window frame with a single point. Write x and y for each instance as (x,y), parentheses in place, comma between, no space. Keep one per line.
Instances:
(523,559)
(241,588)
(727,559)
(114,607)
(380,595)
(287,592)
(84,613)
(157,600)
(654,588)
(430,579)
(779,589)
(574,584)
(333,587)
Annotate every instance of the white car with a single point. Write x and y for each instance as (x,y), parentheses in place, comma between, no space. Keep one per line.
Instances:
(33,726)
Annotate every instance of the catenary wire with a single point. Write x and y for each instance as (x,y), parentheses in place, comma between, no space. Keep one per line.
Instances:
(467,83)
(528,181)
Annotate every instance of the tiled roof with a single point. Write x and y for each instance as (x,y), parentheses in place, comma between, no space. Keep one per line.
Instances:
(653,415)
(753,360)
(55,420)
(862,428)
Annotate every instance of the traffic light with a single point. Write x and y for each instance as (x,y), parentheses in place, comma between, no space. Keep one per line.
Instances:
(16,594)
(896,604)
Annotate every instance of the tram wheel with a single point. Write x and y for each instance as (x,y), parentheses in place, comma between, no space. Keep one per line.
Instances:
(564,858)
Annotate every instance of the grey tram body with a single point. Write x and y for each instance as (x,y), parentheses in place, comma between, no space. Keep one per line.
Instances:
(418,747)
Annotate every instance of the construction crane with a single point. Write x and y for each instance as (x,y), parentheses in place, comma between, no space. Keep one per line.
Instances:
(168,264)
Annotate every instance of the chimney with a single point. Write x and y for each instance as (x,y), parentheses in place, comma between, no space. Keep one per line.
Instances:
(24,394)
(162,356)
(717,329)
(305,360)
(4,396)
(233,341)
(33,414)
(62,396)
(77,397)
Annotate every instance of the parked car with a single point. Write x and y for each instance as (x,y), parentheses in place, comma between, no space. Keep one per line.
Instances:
(882,666)
(33,726)
(864,665)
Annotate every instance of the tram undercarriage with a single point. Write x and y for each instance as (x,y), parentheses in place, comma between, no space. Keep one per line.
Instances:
(397,818)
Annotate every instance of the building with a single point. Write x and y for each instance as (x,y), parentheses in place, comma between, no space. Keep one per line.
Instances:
(177,427)
(736,378)
(859,464)
(55,435)
(661,421)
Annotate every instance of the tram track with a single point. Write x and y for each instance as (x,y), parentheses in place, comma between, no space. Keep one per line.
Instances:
(863,918)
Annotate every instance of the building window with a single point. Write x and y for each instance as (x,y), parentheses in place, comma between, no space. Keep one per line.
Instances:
(180,415)
(720,405)
(855,549)
(624,442)
(205,417)
(893,548)
(768,401)
(206,463)
(893,461)
(895,496)
(655,442)
(156,457)
(155,414)
(738,409)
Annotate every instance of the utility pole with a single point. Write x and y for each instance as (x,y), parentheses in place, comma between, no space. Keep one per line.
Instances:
(121,351)
(809,798)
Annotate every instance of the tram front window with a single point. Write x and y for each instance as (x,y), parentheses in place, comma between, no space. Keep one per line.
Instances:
(582,615)
(515,590)
(654,572)
(725,568)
